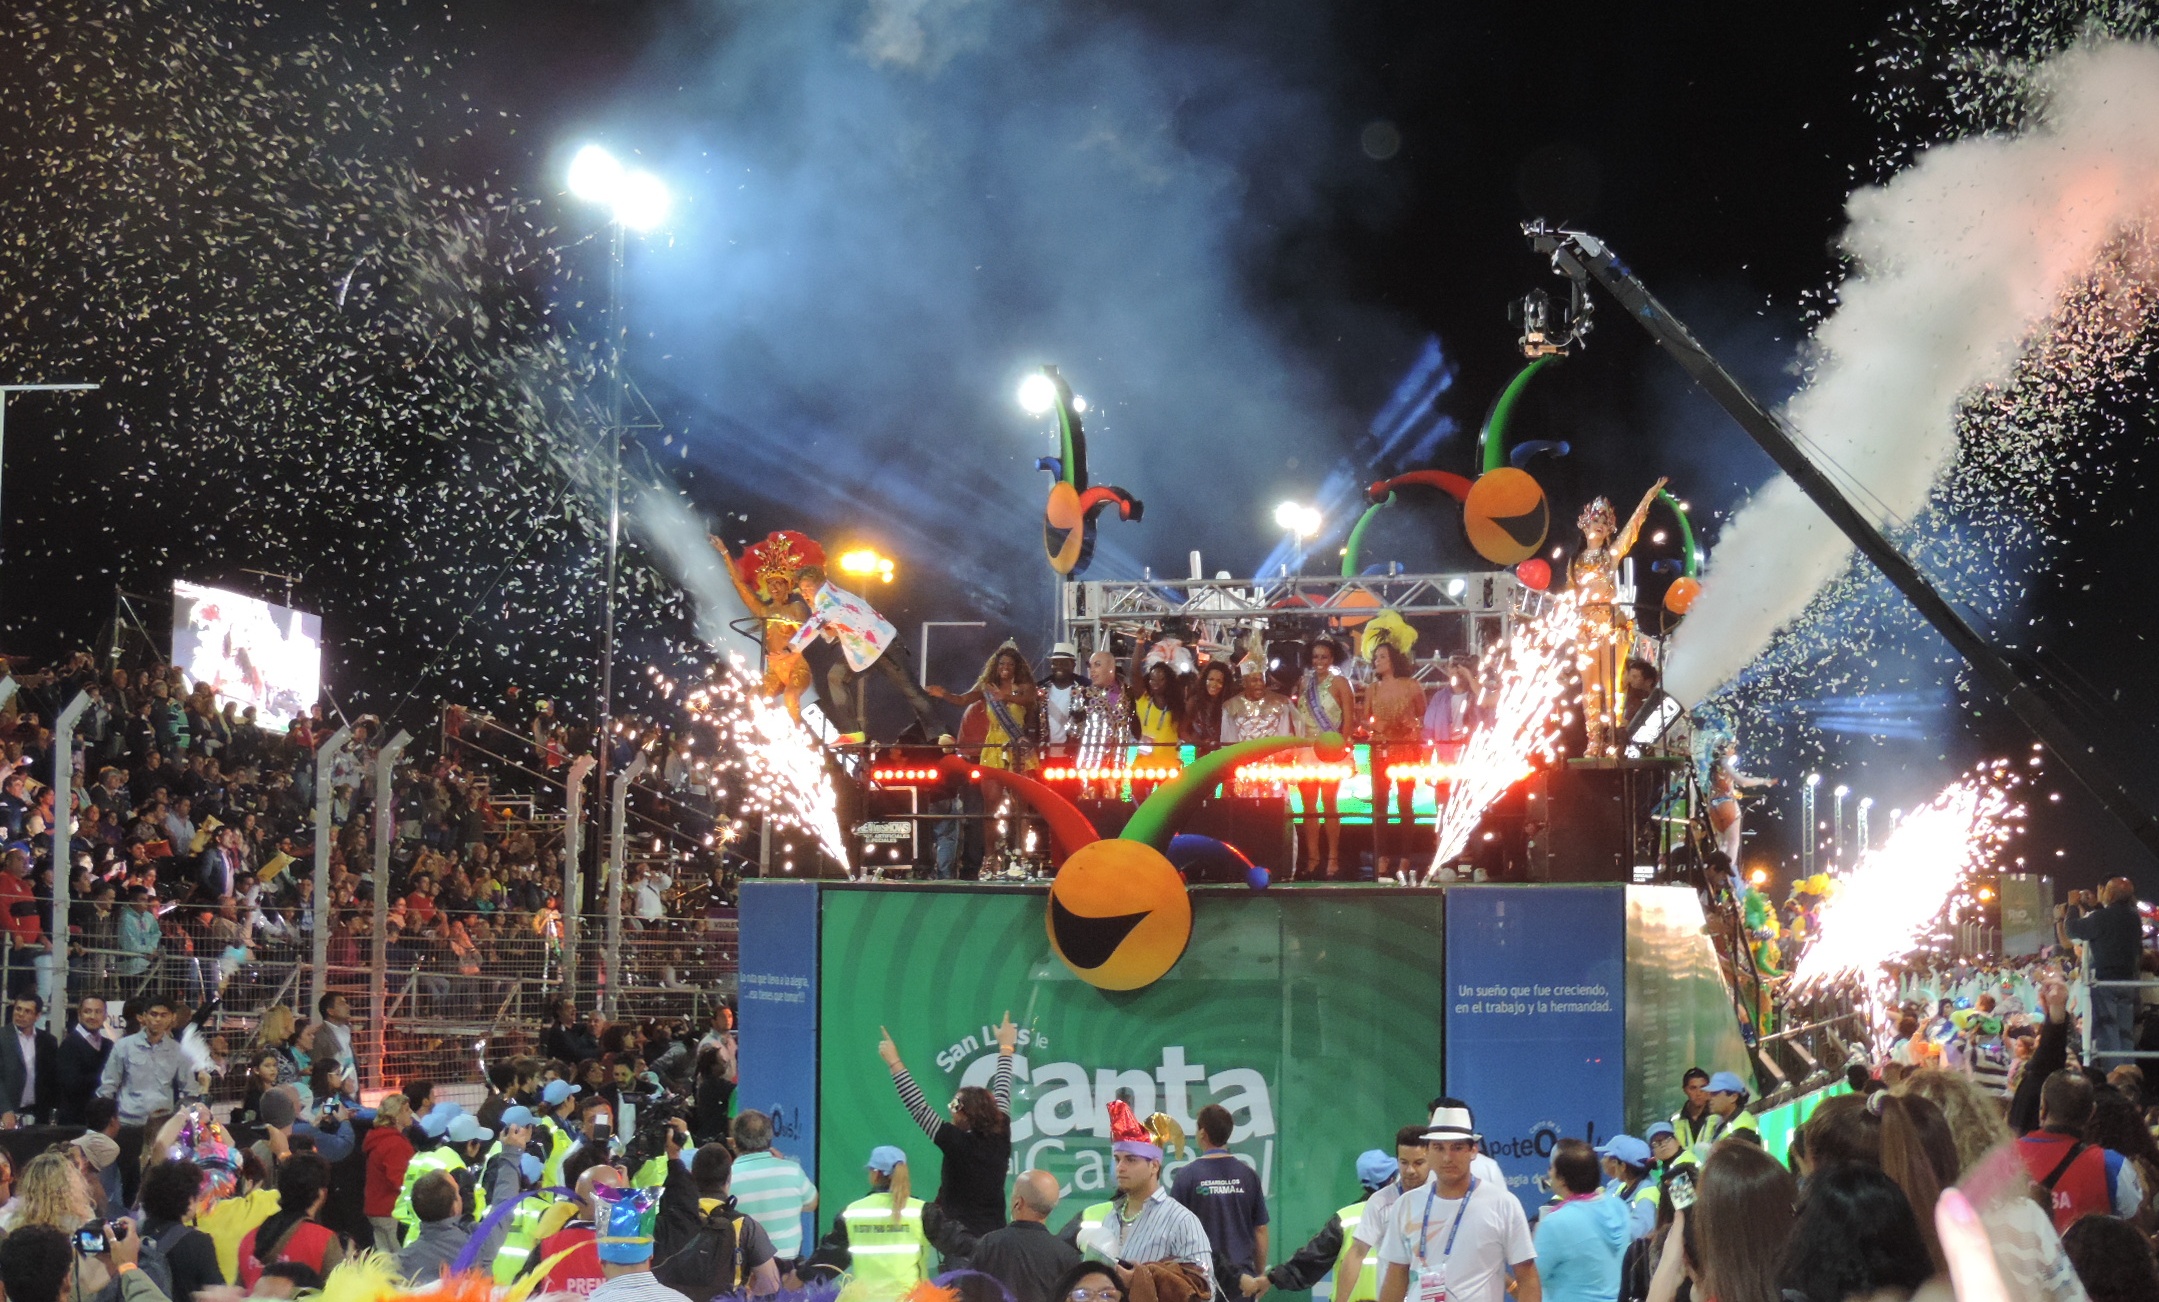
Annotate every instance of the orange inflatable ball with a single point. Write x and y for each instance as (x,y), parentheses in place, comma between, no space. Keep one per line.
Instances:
(1118,915)
(1535,573)
(1681,596)
(1506,515)
(1064,527)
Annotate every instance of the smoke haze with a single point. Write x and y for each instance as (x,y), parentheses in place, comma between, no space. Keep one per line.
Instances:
(1956,261)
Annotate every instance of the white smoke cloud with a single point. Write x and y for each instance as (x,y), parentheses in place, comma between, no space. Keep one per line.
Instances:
(1959,259)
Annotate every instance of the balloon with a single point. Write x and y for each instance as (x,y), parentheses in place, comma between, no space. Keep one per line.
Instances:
(1536,572)
(1680,597)
(1257,878)
(1506,515)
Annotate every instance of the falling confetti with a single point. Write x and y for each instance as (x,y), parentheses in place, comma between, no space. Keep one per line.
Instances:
(335,342)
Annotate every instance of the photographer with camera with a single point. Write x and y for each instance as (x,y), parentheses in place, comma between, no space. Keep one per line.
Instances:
(38,1263)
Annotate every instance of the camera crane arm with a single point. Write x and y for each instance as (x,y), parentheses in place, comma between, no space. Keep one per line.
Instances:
(1582,257)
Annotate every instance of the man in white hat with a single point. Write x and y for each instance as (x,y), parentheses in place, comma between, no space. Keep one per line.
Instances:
(1061,695)
(1456,1238)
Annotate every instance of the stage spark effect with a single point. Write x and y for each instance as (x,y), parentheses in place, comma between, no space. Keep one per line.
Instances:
(778,769)
(1532,671)
(1898,896)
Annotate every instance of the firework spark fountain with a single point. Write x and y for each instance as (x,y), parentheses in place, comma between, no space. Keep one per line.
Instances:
(1533,669)
(1897,896)
(779,768)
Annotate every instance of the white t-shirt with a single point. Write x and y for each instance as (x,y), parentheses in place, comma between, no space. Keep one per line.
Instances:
(1494,1234)
(1059,704)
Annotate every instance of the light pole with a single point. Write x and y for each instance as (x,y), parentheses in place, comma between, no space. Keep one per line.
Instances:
(1807,817)
(636,200)
(1860,837)
(1837,824)
(6,389)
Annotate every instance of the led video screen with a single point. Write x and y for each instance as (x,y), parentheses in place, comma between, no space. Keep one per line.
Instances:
(248,650)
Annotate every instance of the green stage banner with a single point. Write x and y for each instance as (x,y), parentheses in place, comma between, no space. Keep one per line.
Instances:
(1314,1018)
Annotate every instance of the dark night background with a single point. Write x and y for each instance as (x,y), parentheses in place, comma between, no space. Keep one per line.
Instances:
(1713,147)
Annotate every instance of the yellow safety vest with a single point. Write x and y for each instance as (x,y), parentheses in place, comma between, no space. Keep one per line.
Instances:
(1717,1128)
(558,1149)
(890,1257)
(1366,1288)
(444,1158)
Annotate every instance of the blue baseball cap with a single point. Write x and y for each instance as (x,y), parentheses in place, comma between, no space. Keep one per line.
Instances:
(884,1157)
(557,1091)
(434,1125)
(1725,1082)
(518,1115)
(464,1130)
(1657,1128)
(1625,1148)
(1375,1167)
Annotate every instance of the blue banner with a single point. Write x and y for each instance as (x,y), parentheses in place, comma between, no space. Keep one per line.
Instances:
(776,991)
(1536,1020)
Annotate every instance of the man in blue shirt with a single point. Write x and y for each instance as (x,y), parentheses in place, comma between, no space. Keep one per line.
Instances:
(1225,1194)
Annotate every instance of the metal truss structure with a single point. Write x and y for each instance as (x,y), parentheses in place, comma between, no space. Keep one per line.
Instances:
(1455,614)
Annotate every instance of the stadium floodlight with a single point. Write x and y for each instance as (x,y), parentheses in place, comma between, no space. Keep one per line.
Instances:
(634,198)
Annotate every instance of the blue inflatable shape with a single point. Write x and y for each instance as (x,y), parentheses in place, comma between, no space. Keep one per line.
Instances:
(1205,859)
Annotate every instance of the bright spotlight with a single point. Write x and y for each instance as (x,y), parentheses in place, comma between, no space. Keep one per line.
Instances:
(1078,403)
(1303,521)
(1866,802)
(1843,790)
(594,175)
(1759,876)
(864,563)
(1814,779)
(1038,393)
(1456,587)
(641,201)
(638,200)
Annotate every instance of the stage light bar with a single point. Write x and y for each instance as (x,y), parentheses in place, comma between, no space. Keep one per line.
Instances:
(906,776)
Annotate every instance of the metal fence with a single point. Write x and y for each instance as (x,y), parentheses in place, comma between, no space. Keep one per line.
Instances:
(430,993)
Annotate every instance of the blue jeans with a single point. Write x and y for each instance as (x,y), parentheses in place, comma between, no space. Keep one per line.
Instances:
(2114,1015)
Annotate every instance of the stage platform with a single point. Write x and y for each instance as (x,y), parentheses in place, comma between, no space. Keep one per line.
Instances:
(1324,1017)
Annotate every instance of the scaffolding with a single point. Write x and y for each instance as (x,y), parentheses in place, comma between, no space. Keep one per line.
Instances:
(1455,614)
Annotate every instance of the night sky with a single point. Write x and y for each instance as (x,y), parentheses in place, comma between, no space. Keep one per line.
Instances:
(876,244)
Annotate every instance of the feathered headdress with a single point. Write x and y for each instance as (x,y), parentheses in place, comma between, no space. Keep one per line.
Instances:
(779,557)
(1387,626)
(1128,1136)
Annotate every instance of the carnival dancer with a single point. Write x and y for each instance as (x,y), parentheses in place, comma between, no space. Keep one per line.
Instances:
(1324,704)
(1105,716)
(1259,710)
(1159,692)
(1397,731)
(1602,627)
(1010,703)
(764,577)
(867,641)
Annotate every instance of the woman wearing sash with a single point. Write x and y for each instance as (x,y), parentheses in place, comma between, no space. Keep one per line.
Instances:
(1009,698)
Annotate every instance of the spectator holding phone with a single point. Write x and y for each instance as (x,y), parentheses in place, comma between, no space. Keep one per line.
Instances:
(38,1264)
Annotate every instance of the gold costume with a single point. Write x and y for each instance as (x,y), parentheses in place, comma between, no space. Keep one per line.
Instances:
(1603,632)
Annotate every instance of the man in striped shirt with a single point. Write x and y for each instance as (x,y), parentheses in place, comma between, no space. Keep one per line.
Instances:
(770,1189)
(1144,1223)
